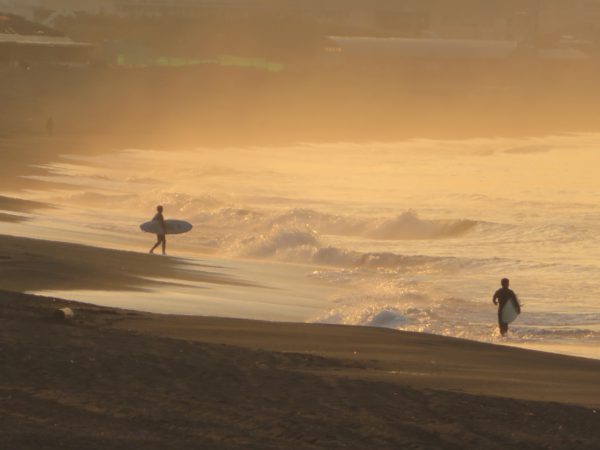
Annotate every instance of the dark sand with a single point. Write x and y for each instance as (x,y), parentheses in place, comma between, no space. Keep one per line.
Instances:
(24,157)
(17,205)
(32,265)
(115,379)
(112,379)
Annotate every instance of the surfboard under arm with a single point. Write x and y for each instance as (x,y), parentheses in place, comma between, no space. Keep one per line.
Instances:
(173,226)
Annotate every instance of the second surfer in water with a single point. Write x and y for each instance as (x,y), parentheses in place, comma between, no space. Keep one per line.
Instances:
(501,297)
(160,238)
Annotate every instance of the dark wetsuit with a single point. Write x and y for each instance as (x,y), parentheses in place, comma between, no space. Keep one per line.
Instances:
(503,295)
(158,217)
(160,237)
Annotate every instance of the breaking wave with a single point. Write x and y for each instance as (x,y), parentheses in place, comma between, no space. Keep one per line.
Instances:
(409,226)
(304,246)
(405,226)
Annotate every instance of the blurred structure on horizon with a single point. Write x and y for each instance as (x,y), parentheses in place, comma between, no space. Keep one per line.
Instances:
(23,43)
(307,69)
(41,10)
(427,51)
(474,19)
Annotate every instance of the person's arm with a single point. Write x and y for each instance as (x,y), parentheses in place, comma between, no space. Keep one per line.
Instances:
(163,224)
(495,298)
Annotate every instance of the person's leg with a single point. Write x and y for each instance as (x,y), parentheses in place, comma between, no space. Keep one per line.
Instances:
(501,325)
(155,245)
(164,245)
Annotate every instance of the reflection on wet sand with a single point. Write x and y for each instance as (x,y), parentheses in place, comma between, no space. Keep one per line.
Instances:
(31,265)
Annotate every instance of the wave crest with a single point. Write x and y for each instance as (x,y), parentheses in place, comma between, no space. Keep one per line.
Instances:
(304,246)
(279,242)
(408,225)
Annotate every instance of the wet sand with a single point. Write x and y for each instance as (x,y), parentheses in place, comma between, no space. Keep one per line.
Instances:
(25,156)
(120,379)
(35,265)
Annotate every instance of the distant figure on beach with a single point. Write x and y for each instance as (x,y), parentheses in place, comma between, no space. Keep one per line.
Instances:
(50,126)
(501,297)
(160,238)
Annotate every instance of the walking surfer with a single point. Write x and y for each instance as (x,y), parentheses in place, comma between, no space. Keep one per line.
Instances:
(161,238)
(501,297)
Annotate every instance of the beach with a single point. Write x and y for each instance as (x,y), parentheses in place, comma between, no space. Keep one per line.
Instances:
(114,378)
(122,379)
(319,233)
(195,372)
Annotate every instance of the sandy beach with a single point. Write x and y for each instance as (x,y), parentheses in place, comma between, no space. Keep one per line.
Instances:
(120,379)
(113,378)
(33,264)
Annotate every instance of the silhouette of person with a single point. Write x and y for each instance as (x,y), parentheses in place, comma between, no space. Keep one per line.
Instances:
(501,297)
(50,126)
(161,238)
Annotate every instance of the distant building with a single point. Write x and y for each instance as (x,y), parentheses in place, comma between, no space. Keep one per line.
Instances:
(92,6)
(33,9)
(378,20)
(514,19)
(522,20)
(25,43)
(380,14)
(23,8)
(180,8)
(579,18)
(446,51)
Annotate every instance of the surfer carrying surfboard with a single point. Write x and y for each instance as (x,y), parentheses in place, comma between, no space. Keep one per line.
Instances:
(161,238)
(506,298)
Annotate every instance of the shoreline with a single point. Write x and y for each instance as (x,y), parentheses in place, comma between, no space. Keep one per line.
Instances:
(54,268)
(33,265)
(112,378)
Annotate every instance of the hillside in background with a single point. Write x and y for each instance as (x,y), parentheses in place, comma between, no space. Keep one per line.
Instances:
(267,70)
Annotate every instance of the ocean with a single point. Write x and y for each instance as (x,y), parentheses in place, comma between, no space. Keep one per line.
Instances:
(412,235)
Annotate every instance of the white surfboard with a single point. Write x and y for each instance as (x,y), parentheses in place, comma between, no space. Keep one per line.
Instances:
(510,311)
(173,226)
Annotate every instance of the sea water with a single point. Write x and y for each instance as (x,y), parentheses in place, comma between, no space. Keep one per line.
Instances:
(412,235)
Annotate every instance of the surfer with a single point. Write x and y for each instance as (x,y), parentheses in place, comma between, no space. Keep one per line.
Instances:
(501,297)
(160,238)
